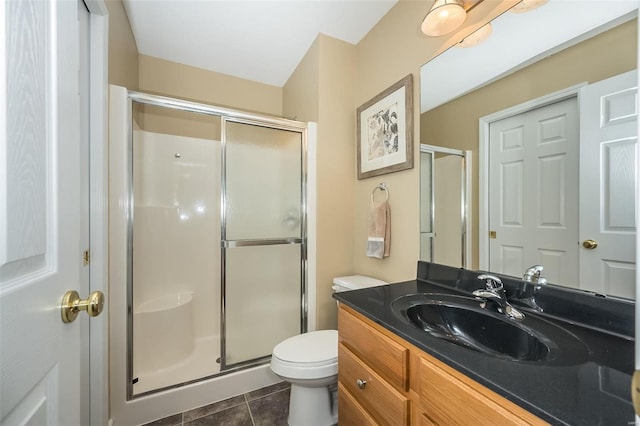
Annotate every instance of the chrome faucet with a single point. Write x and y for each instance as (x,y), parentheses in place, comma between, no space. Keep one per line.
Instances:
(532,275)
(494,291)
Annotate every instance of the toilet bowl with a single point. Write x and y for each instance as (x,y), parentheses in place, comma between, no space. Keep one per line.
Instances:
(309,361)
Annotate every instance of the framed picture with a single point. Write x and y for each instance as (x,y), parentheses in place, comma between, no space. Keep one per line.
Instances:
(385,131)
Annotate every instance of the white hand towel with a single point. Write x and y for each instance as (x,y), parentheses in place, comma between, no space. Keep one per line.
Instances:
(379,230)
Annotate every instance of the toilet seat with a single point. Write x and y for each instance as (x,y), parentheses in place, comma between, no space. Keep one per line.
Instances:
(307,356)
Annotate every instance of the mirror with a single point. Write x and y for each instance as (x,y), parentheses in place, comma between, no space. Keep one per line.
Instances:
(518,66)
(444,178)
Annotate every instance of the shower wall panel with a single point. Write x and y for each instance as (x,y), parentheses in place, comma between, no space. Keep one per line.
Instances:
(448,185)
(176,254)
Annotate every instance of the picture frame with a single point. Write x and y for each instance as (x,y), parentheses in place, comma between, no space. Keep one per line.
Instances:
(385,131)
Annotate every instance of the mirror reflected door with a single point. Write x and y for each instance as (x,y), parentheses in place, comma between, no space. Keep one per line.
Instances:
(532,167)
(444,205)
(609,141)
(560,183)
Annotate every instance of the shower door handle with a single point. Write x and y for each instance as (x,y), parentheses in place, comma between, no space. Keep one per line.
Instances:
(262,242)
(72,304)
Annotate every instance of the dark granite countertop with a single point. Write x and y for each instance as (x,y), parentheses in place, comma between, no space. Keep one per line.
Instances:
(593,389)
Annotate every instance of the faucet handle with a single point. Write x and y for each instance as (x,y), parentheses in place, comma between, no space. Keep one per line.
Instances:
(491,282)
(534,274)
(486,294)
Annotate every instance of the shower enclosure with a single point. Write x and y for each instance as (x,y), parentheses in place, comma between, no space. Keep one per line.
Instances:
(444,205)
(215,228)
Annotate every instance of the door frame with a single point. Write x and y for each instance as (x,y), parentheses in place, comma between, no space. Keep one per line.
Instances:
(98,206)
(483,160)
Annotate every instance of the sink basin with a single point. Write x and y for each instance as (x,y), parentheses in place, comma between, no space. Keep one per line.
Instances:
(464,321)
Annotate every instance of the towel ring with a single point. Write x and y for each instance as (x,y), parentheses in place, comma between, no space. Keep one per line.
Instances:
(381,187)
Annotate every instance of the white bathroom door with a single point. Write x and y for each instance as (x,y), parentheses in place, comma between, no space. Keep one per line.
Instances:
(40,235)
(608,116)
(533,192)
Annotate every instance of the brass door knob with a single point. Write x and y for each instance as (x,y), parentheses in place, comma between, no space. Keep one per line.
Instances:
(590,244)
(72,304)
(635,391)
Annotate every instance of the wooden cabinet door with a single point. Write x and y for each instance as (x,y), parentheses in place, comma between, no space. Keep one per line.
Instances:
(452,399)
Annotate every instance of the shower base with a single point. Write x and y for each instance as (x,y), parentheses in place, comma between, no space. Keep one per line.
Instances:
(201,363)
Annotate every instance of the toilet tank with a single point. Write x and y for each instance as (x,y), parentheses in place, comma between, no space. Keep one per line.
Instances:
(355,282)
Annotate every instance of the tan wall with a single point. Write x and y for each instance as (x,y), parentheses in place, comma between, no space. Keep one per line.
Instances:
(336,171)
(123,53)
(167,78)
(392,49)
(301,92)
(606,55)
(321,89)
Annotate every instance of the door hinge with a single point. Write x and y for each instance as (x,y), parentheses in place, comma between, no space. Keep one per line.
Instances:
(492,234)
(86,257)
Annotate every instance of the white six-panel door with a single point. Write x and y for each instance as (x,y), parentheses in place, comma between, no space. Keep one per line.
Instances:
(533,192)
(608,168)
(40,251)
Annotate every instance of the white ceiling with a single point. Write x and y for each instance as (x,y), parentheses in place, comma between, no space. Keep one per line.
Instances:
(259,40)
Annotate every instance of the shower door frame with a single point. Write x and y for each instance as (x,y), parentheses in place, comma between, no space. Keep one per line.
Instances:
(465,200)
(226,115)
(226,243)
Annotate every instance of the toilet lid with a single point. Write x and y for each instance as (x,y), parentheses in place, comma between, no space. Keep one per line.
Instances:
(313,347)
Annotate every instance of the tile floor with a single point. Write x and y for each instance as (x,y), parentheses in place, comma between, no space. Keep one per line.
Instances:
(262,407)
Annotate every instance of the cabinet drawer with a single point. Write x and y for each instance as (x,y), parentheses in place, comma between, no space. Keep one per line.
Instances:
(387,405)
(387,357)
(350,413)
(450,400)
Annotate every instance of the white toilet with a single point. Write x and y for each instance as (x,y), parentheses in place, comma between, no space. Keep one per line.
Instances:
(309,362)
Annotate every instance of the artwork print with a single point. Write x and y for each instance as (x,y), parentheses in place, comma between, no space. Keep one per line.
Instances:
(385,131)
(382,134)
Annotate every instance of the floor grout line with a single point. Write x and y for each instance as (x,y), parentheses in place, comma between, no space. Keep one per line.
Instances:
(246,401)
(249,409)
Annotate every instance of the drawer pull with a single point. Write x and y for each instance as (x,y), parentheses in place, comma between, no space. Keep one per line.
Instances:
(361,383)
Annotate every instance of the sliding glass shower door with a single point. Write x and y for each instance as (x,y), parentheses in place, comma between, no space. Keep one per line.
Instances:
(263,237)
(216,240)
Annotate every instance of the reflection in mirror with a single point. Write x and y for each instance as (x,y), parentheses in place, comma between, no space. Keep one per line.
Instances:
(444,179)
(528,193)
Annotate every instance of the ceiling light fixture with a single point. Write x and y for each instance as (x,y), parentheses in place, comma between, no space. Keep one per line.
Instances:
(527,5)
(477,37)
(444,17)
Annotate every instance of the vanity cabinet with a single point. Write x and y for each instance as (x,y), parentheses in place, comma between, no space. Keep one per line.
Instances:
(385,380)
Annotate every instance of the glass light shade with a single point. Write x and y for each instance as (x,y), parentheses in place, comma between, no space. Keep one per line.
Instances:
(477,37)
(527,5)
(444,17)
